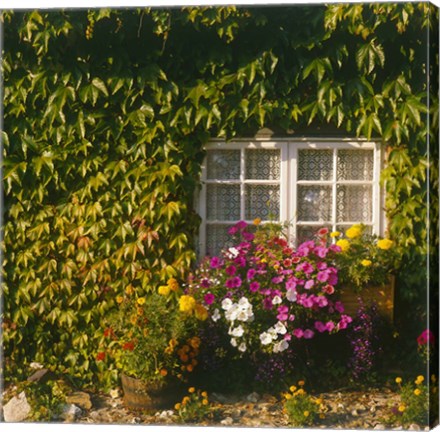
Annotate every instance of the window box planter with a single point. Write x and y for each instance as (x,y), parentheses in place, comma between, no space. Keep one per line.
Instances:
(382,295)
(140,394)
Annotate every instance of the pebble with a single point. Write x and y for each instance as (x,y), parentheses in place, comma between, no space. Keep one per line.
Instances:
(17,409)
(253,397)
(379,427)
(354,413)
(135,420)
(228,421)
(414,427)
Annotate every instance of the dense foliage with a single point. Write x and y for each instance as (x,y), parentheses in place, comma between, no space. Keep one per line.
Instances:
(105,115)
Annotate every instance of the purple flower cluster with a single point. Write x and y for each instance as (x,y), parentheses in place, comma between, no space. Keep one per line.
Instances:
(289,291)
(364,340)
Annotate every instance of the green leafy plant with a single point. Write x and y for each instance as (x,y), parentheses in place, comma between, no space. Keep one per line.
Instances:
(301,408)
(194,407)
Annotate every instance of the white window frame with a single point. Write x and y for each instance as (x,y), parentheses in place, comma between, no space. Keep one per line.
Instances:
(289,184)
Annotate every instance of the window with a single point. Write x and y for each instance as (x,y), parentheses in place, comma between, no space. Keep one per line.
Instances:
(308,183)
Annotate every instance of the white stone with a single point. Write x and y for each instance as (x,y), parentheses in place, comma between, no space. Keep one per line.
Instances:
(17,409)
(379,427)
(70,412)
(414,427)
(227,421)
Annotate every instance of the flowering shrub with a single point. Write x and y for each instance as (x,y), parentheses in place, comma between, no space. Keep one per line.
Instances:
(301,408)
(150,337)
(194,406)
(265,294)
(365,259)
(417,400)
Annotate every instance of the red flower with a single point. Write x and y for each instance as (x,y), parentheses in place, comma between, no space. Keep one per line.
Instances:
(323,231)
(100,356)
(427,336)
(108,332)
(129,346)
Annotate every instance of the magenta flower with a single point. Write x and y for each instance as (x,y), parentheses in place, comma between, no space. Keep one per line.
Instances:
(248,236)
(320,326)
(234,282)
(277,279)
(231,270)
(254,286)
(323,276)
(216,262)
(309,284)
(290,284)
(339,307)
(298,333)
(240,261)
(321,251)
(306,267)
(427,336)
(241,225)
(233,230)
(321,265)
(330,326)
(267,303)
(308,334)
(205,283)
(209,299)
(321,301)
(329,289)
(250,274)
(283,313)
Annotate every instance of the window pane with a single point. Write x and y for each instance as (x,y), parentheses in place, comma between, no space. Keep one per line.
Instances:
(355,164)
(223,164)
(262,201)
(263,164)
(223,202)
(305,233)
(354,203)
(315,165)
(217,238)
(314,203)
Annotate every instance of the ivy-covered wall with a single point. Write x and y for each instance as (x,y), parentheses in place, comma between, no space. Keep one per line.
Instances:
(105,117)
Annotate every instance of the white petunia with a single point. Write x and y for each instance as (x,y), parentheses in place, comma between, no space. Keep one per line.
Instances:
(233,342)
(233,252)
(265,338)
(244,303)
(244,315)
(226,304)
(291,295)
(277,300)
(237,331)
(232,313)
(280,346)
(280,328)
(242,347)
(216,315)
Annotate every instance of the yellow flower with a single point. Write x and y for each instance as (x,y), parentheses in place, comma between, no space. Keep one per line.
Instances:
(417,392)
(173,343)
(141,301)
(191,390)
(306,413)
(288,396)
(300,392)
(301,383)
(187,303)
(164,290)
(366,262)
(384,244)
(173,284)
(322,416)
(343,244)
(133,319)
(205,402)
(129,290)
(419,379)
(163,372)
(292,388)
(204,394)
(257,221)
(185,400)
(398,380)
(353,232)
(119,299)
(140,311)
(401,408)
(177,406)
(318,401)
(335,234)
(201,312)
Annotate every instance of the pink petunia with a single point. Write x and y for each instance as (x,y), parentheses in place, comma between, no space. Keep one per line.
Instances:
(250,274)
(309,284)
(339,307)
(323,276)
(231,270)
(320,326)
(298,333)
(427,336)
(248,236)
(216,262)
(308,334)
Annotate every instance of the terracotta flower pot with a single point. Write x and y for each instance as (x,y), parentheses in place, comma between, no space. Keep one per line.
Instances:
(143,395)
(382,295)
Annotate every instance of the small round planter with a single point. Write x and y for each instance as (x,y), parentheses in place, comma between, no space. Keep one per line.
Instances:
(143,395)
